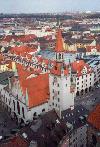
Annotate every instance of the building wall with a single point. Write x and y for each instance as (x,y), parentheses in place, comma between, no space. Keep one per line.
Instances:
(9,100)
(79,137)
(96,73)
(60,96)
(84,82)
(92,131)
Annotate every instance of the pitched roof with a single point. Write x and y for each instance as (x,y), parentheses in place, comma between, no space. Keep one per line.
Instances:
(21,50)
(33,84)
(78,66)
(89,48)
(21,38)
(1,58)
(38,89)
(94,117)
(59,42)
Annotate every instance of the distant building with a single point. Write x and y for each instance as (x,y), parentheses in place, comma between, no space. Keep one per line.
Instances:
(94,127)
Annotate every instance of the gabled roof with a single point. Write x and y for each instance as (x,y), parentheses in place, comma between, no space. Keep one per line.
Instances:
(21,50)
(78,66)
(59,42)
(89,48)
(94,117)
(21,38)
(37,87)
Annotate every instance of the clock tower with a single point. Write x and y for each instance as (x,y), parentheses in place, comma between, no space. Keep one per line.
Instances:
(61,97)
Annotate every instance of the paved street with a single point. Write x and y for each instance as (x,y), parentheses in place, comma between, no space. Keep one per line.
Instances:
(6,123)
(89,100)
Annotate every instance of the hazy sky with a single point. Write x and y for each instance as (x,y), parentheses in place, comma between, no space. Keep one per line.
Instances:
(32,6)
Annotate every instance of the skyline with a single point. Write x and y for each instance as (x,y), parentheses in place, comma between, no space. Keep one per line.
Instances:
(48,6)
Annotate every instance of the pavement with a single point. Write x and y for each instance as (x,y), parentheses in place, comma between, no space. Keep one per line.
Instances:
(89,100)
(6,123)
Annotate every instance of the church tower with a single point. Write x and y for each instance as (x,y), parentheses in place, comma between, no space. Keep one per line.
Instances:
(61,97)
(59,50)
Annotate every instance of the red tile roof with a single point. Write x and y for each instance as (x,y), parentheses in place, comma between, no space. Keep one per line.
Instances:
(37,87)
(21,50)
(94,117)
(79,65)
(22,38)
(59,42)
(1,58)
(26,38)
(56,70)
(89,48)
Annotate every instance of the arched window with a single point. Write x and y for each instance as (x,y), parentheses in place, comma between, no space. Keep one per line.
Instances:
(43,110)
(35,114)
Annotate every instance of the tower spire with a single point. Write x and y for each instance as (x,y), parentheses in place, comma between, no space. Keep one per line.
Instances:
(59,42)
(59,50)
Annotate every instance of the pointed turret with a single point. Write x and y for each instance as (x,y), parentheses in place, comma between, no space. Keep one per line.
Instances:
(59,42)
(59,50)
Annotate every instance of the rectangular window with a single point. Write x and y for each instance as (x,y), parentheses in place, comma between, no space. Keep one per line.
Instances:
(23,112)
(14,104)
(18,107)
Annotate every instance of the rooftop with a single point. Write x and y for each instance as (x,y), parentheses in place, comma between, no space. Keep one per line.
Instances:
(94,117)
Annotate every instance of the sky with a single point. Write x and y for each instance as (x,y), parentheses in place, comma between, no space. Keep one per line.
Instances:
(44,6)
